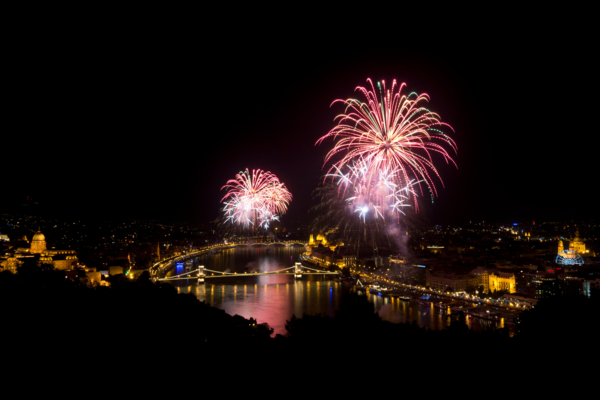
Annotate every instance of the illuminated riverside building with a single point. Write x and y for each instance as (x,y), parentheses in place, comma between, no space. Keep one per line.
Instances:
(324,255)
(502,281)
(322,240)
(350,260)
(455,282)
(314,243)
(59,259)
(490,280)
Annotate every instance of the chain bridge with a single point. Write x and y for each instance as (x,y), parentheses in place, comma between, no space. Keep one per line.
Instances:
(298,270)
(156,269)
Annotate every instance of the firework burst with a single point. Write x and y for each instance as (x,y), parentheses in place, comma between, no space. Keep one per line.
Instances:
(255,199)
(385,146)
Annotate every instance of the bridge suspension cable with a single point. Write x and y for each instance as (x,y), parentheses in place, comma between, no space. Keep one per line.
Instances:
(200,273)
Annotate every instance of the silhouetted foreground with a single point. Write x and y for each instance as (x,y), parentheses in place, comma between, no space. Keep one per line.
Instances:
(139,339)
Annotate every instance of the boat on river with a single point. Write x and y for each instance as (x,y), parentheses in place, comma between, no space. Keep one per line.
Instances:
(380,290)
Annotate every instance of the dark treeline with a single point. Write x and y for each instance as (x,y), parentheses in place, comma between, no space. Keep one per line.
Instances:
(62,339)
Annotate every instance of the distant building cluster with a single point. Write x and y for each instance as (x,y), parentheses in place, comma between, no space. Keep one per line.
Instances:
(37,251)
(524,262)
(488,279)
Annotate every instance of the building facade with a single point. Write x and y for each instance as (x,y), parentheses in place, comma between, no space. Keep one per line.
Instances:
(450,281)
(577,244)
(38,243)
(59,259)
(493,280)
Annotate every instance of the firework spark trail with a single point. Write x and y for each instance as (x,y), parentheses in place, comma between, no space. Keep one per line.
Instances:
(385,146)
(382,195)
(255,199)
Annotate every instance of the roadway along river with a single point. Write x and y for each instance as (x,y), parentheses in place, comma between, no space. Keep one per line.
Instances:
(273,299)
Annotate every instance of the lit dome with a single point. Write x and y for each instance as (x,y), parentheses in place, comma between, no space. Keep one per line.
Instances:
(39,237)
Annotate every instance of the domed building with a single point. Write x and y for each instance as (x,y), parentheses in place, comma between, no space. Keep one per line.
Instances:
(321,240)
(38,243)
(60,259)
(577,244)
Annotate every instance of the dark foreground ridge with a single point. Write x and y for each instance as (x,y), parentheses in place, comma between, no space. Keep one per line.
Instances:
(137,339)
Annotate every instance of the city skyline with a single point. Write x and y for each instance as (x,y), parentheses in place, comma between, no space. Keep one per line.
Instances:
(164,230)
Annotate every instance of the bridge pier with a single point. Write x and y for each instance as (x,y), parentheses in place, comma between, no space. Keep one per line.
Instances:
(201,274)
(298,270)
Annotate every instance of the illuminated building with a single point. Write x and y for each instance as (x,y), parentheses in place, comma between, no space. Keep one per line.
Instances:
(38,243)
(577,244)
(502,281)
(350,260)
(454,282)
(324,255)
(483,278)
(59,259)
(320,240)
(561,247)
(492,280)
(11,264)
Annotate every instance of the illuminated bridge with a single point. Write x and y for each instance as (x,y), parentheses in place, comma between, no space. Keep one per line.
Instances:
(288,243)
(201,273)
(167,262)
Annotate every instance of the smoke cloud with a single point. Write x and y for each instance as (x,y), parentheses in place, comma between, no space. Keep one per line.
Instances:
(400,238)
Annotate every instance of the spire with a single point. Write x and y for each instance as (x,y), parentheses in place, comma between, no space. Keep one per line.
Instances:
(561,246)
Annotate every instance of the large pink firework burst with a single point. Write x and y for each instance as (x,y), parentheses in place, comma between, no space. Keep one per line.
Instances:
(389,135)
(255,199)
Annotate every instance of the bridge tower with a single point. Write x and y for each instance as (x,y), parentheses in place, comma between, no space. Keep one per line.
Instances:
(298,270)
(201,274)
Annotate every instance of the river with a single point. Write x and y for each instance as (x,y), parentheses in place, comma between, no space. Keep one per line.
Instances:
(273,299)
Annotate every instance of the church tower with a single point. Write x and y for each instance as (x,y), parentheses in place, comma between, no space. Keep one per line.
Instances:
(561,247)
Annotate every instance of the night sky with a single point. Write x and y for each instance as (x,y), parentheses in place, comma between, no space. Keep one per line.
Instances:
(147,112)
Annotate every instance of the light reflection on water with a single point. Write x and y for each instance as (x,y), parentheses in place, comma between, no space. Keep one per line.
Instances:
(396,310)
(273,299)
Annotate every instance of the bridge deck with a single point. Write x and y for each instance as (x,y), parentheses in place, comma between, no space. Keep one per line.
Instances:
(243,275)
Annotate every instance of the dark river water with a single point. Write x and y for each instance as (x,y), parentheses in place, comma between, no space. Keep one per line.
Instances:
(274,299)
